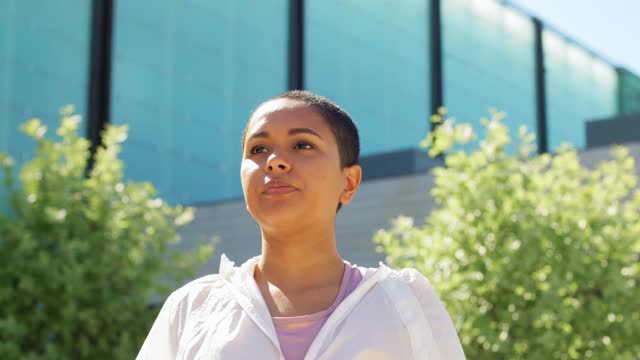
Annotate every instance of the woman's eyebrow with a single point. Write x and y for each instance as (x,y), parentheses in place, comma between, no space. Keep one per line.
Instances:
(294,131)
(261,134)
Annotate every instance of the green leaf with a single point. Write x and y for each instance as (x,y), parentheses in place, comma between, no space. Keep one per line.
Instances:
(83,256)
(533,255)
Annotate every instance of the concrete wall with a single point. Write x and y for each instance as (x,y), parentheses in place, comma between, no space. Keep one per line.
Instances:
(376,202)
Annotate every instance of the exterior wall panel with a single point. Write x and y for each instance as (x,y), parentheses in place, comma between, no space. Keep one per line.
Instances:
(488,61)
(628,92)
(372,59)
(44,64)
(186,76)
(579,88)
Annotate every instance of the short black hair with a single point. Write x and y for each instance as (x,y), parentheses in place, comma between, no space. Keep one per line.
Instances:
(339,121)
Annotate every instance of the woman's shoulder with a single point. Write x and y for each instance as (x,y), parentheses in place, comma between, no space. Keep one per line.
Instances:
(197,292)
(204,283)
(209,283)
(442,329)
(414,279)
(411,276)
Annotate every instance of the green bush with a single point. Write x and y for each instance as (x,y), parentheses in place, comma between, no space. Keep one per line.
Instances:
(535,256)
(82,256)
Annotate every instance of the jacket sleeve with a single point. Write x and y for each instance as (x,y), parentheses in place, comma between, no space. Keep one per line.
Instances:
(441,325)
(162,341)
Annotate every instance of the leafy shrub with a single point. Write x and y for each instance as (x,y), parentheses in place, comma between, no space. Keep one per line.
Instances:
(83,255)
(535,256)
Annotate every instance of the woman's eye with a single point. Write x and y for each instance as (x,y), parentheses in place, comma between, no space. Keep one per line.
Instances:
(258,149)
(303,145)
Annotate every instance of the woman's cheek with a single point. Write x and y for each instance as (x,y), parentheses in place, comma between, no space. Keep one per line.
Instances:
(248,169)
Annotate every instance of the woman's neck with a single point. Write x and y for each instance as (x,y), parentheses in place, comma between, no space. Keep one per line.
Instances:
(302,260)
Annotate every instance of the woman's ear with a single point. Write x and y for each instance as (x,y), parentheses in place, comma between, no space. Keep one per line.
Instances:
(353,176)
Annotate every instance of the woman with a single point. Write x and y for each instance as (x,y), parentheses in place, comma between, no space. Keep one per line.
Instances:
(299,299)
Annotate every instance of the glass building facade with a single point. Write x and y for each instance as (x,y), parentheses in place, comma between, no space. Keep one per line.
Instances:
(579,88)
(628,92)
(185,75)
(44,64)
(488,62)
(373,61)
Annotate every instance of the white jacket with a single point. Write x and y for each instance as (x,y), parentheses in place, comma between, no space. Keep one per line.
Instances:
(390,315)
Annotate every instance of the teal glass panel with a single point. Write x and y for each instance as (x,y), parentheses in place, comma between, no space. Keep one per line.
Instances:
(372,58)
(186,76)
(629,94)
(44,64)
(488,62)
(579,88)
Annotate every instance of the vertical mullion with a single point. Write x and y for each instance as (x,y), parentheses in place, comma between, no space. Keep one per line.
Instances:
(541,101)
(436,57)
(100,72)
(296,44)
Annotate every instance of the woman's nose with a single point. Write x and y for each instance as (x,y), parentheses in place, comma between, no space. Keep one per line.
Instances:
(277,163)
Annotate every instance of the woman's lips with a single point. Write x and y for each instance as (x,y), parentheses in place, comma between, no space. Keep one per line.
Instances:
(283,189)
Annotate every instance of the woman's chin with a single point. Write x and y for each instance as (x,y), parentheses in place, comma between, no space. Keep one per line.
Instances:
(283,216)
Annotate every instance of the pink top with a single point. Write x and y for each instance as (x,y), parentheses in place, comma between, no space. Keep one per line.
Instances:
(296,333)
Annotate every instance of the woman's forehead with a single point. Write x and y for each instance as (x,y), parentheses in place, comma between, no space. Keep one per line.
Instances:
(285,111)
(275,105)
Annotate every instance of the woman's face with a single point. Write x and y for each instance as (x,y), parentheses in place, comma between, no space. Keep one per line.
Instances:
(290,168)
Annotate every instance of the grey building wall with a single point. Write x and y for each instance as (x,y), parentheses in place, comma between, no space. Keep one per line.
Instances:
(376,203)
(620,129)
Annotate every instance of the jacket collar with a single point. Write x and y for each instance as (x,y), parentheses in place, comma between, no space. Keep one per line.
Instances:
(245,290)
(226,266)
(230,272)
